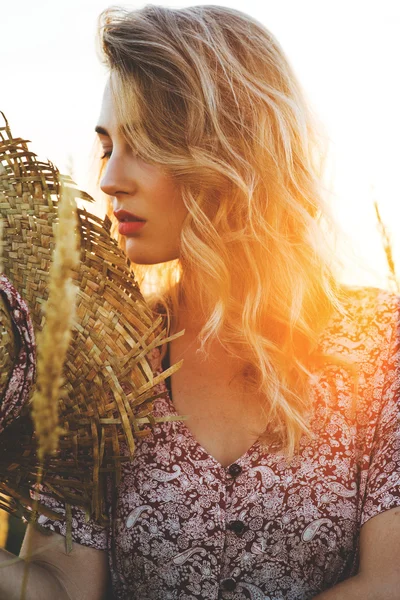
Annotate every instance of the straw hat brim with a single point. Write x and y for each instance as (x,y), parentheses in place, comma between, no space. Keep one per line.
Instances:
(109,383)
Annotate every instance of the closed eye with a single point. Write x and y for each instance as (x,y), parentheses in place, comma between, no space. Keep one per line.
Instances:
(106,155)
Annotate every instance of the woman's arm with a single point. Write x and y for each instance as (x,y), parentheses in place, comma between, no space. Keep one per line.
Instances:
(41,583)
(354,588)
(379,572)
(80,575)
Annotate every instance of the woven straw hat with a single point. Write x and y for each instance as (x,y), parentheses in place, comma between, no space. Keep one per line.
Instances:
(108,373)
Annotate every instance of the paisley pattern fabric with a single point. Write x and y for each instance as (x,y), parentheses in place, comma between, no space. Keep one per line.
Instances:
(183,527)
(23,373)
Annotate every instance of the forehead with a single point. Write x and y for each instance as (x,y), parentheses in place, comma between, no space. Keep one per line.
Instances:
(108,115)
(107,118)
(121,119)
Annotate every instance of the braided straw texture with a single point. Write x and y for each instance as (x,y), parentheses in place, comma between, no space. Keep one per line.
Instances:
(108,385)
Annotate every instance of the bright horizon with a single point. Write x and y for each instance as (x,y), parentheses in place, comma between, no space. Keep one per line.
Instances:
(346,56)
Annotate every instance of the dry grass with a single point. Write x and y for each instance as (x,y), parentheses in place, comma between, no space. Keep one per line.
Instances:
(55,336)
(53,343)
(394,282)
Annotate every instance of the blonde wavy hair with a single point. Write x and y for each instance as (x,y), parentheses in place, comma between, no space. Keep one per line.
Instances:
(207,93)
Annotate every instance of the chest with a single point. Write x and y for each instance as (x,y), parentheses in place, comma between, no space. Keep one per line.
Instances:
(182,519)
(223,417)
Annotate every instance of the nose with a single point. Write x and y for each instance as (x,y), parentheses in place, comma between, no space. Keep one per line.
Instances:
(115,179)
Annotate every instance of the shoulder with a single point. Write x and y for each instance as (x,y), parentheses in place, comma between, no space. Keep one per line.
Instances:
(360,354)
(368,320)
(368,304)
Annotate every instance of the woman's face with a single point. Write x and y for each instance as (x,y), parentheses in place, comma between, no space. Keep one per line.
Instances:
(142,189)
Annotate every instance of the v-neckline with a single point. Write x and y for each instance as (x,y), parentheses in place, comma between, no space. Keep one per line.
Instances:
(182,424)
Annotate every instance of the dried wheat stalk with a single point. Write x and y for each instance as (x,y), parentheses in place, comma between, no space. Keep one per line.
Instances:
(387,247)
(55,336)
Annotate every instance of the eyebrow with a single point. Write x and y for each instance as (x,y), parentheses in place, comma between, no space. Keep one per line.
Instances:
(101,131)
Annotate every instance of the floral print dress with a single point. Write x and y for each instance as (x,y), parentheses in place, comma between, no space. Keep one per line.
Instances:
(183,527)
(20,380)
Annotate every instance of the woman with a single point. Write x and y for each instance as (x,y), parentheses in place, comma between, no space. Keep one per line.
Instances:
(283,483)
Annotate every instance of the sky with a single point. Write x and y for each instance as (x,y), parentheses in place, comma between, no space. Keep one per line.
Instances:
(346,54)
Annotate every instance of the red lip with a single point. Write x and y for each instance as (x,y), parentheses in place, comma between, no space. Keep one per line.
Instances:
(124,215)
(130,227)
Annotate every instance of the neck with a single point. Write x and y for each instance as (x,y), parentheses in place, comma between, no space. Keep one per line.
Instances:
(189,316)
(186,319)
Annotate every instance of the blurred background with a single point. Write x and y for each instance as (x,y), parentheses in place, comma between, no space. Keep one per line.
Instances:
(346,54)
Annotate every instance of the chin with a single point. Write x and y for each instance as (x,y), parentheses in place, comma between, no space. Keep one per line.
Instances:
(141,257)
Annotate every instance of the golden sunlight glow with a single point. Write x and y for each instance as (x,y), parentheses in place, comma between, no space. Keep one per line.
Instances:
(352,83)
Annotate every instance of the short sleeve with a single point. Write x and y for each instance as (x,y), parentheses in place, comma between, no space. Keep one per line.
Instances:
(84,531)
(383,477)
(15,390)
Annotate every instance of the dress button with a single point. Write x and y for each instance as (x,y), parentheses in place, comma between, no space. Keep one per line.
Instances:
(234,470)
(237,526)
(228,584)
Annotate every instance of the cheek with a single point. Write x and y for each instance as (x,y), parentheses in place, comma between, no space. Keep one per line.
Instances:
(172,206)
(177,216)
